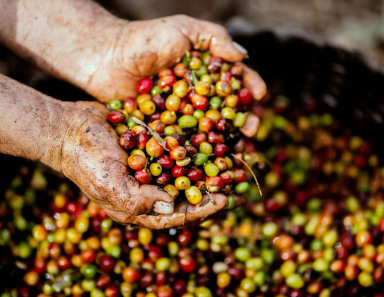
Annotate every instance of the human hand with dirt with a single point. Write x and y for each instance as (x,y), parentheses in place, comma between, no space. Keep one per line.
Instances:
(80,42)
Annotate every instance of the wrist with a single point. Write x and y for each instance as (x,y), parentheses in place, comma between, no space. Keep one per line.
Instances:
(60,116)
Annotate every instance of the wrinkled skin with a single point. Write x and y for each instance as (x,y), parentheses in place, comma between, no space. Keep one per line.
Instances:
(80,42)
(94,160)
(117,77)
(142,51)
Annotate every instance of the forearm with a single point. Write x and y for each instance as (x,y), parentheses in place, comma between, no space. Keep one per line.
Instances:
(67,39)
(32,125)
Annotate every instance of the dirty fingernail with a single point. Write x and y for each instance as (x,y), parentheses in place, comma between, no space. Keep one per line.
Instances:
(163,207)
(240,48)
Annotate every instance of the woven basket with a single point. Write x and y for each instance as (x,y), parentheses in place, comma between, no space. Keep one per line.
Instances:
(350,87)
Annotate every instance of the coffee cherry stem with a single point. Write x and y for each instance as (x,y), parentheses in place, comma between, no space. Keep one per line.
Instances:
(254,176)
(204,202)
(157,136)
(198,45)
(146,164)
(211,198)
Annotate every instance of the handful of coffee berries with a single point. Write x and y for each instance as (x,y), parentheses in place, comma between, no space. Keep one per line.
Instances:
(180,130)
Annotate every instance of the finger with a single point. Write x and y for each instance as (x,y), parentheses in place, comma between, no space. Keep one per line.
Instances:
(184,214)
(144,198)
(254,83)
(219,43)
(206,35)
(251,126)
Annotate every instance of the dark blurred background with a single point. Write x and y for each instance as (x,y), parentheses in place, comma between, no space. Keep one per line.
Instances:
(352,24)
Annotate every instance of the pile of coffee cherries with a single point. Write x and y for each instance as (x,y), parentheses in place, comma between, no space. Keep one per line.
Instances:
(181,128)
(318,232)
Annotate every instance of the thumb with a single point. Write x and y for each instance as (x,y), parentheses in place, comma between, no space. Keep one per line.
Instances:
(254,83)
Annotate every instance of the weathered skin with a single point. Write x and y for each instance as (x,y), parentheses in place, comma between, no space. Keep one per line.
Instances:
(80,42)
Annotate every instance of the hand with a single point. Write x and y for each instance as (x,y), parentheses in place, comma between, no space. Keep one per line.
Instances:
(144,48)
(94,160)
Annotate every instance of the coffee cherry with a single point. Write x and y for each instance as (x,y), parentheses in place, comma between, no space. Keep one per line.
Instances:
(188,109)
(220,163)
(106,263)
(195,174)
(127,140)
(214,184)
(231,101)
(221,125)
(205,124)
(147,107)
(245,97)
(187,264)
(240,175)
(116,117)
(225,76)
(223,88)
(191,151)
(214,115)
(172,103)
(155,169)
(166,81)
(158,126)
(144,85)
(193,195)
(178,153)
(142,139)
(195,63)
(200,102)
(179,70)
(171,142)
(227,179)
(165,72)
(198,139)
(165,161)
(143,177)
(180,88)
(168,117)
(136,130)
(202,88)
(237,70)
(182,183)
(179,138)
(172,191)
(153,148)
(214,137)
(178,171)
(136,162)
(215,64)
(163,178)
(220,150)
(154,117)
(159,101)
(211,169)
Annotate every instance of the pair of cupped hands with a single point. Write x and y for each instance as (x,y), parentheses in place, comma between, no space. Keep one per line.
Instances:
(91,154)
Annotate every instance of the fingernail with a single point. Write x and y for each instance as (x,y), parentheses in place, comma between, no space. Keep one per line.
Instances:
(240,48)
(163,207)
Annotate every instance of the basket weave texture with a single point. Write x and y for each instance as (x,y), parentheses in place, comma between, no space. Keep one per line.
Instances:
(351,87)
